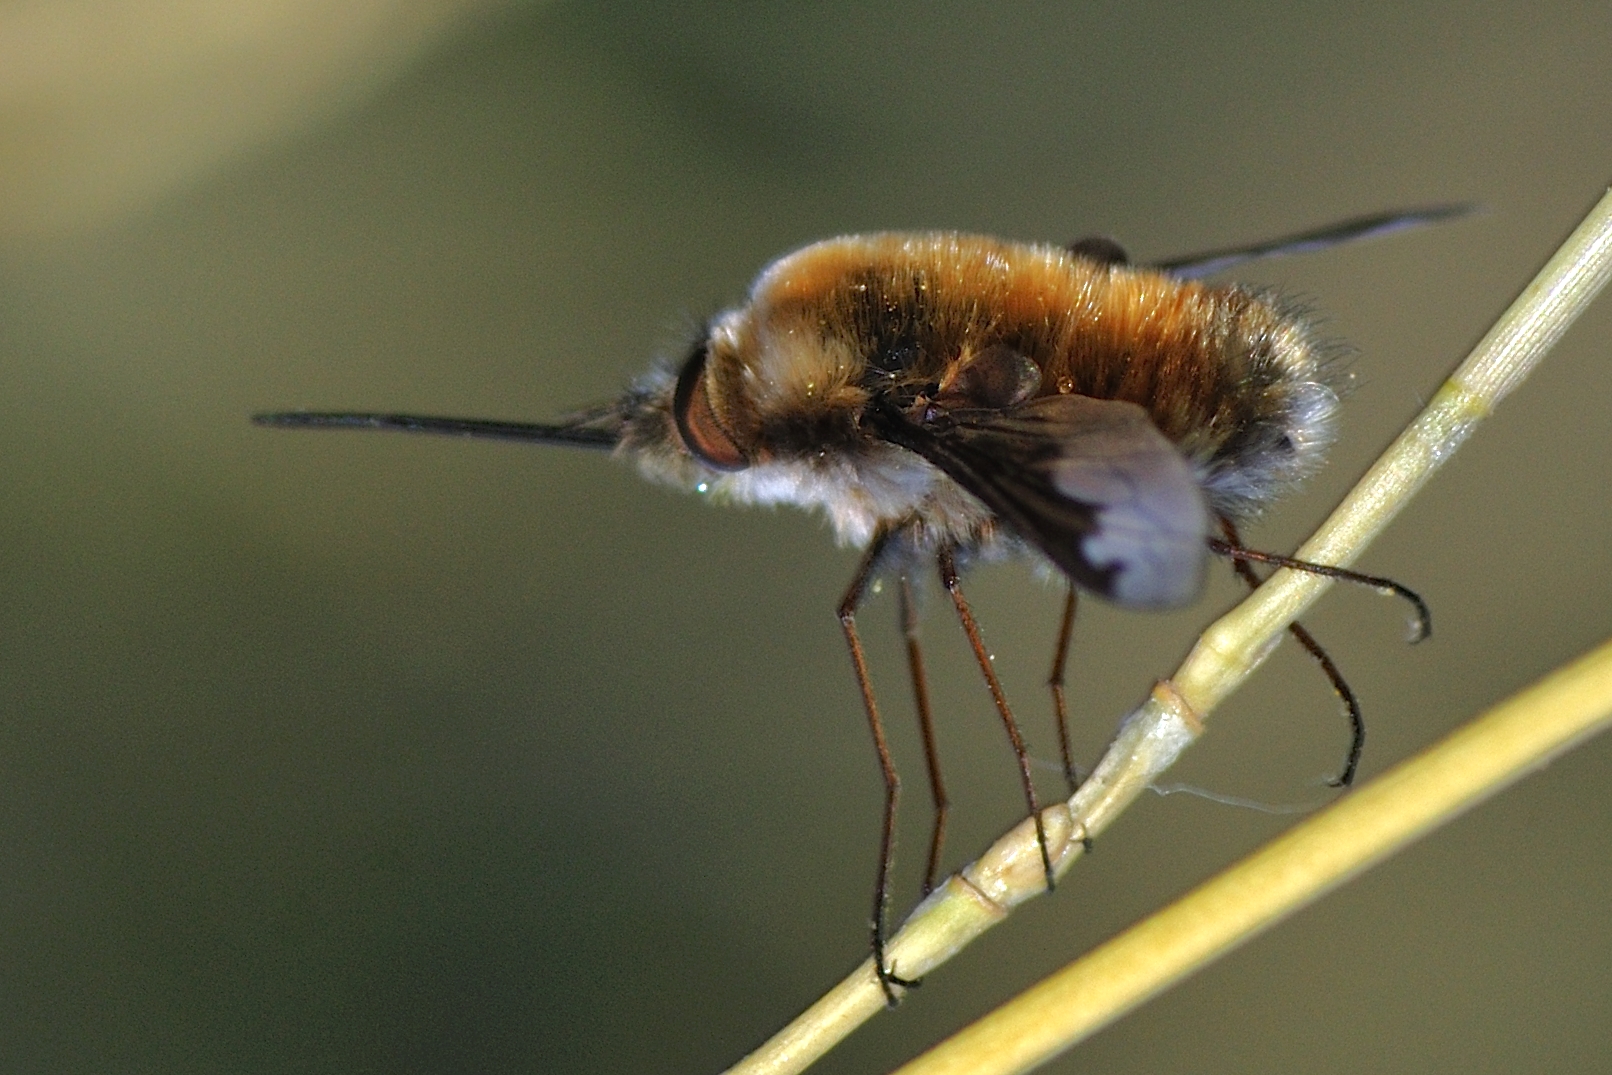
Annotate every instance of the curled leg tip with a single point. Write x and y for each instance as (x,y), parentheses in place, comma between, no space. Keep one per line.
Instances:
(894,985)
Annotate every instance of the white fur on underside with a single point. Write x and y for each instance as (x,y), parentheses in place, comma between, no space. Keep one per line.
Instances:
(887,485)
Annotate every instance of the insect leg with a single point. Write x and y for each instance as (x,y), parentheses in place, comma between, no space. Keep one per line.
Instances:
(1060,709)
(926,725)
(1422,625)
(1340,686)
(948,578)
(1357,722)
(892,783)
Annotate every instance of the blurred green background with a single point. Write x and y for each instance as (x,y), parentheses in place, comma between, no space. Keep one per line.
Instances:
(363,753)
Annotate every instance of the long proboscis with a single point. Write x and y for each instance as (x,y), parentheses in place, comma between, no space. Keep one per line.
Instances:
(580,435)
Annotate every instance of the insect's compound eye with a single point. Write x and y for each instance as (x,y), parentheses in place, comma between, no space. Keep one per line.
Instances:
(697,424)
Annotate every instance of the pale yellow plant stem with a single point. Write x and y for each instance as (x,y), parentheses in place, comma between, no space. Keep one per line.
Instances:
(1151,738)
(1296,868)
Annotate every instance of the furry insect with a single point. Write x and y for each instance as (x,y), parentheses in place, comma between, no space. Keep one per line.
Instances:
(948,398)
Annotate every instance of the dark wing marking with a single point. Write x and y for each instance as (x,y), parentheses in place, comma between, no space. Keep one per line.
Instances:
(1197,266)
(1091,483)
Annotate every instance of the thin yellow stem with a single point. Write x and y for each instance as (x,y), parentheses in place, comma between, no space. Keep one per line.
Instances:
(1296,868)
(1237,643)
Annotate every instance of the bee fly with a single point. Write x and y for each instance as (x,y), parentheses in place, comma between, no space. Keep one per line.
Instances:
(948,398)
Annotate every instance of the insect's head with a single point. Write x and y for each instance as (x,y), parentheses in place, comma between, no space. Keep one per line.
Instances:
(756,389)
(783,402)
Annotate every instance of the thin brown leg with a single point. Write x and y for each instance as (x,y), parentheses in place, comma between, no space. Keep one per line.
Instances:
(1357,721)
(926,725)
(1423,628)
(1060,709)
(892,782)
(948,578)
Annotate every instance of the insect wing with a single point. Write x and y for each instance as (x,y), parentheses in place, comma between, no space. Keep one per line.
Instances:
(1092,483)
(1198,266)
